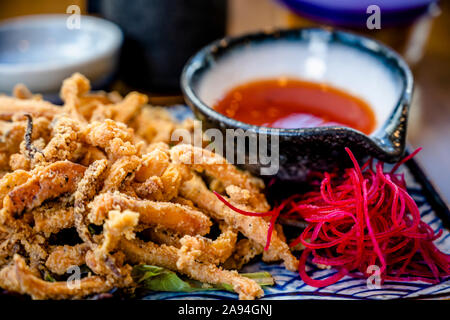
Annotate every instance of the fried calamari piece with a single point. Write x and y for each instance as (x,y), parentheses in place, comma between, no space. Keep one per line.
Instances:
(118,225)
(216,166)
(73,87)
(100,112)
(93,102)
(105,159)
(91,155)
(183,201)
(217,186)
(53,217)
(126,109)
(154,125)
(154,163)
(71,91)
(20,91)
(10,107)
(246,288)
(26,137)
(61,258)
(138,251)
(12,134)
(238,195)
(20,237)
(172,179)
(19,278)
(4,164)
(212,251)
(245,251)
(175,217)
(120,170)
(162,146)
(163,237)
(86,190)
(49,182)
(254,228)
(64,143)
(18,161)
(12,180)
(151,189)
(113,137)
(163,188)
(169,257)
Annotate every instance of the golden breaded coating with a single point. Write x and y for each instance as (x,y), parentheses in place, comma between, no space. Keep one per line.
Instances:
(207,250)
(254,228)
(86,190)
(18,277)
(52,217)
(53,180)
(98,185)
(173,216)
(61,258)
(12,106)
(113,137)
(153,163)
(214,165)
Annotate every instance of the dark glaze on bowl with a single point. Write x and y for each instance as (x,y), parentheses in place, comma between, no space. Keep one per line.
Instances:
(306,149)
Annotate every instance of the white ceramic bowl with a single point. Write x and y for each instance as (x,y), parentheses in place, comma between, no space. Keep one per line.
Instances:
(40,51)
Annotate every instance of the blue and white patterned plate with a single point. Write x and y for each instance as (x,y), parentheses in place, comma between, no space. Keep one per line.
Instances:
(290,286)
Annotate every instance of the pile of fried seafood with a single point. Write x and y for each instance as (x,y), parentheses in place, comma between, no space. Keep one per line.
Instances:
(103,169)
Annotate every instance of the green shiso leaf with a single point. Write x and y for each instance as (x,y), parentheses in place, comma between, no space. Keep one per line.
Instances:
(160,279)
(48,277)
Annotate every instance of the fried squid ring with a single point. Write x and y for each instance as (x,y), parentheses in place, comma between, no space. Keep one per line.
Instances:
(214,165)
(12,180)
(154,163)
(114,137)
(52,217)
(10,107)
(118,225)
(86,190)
(53,180)
(120,169)
(65,141)
(254,228)
(128,107)
(71,91)
(212,251)
(19,278)
(245,251)
(138,251)
(175,217)
(210,273)
(61,258)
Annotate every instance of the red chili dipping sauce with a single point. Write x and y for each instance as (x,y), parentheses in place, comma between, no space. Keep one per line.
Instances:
(293,103)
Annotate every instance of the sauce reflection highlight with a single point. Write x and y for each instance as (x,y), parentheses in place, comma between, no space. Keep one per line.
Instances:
(294,103)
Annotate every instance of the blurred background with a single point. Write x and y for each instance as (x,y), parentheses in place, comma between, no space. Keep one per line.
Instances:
(160,35)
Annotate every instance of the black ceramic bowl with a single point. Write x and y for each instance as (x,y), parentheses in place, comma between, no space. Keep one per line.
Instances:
(356,64)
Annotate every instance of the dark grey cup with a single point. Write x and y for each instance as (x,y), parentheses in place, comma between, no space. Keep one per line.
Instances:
(160,36)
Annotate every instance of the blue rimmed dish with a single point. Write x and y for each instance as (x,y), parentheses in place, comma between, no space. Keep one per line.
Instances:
(359,65)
